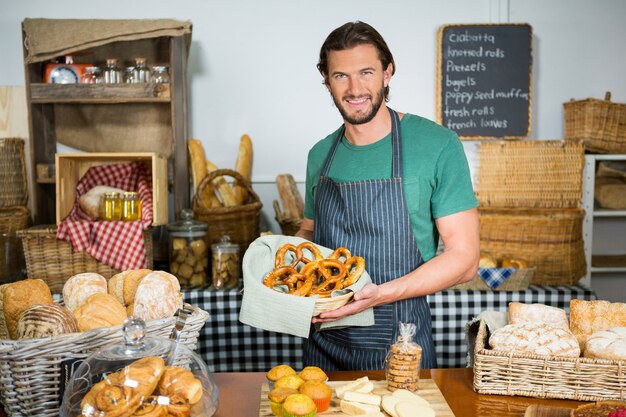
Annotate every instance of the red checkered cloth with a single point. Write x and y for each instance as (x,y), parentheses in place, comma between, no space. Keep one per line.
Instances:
(118,244)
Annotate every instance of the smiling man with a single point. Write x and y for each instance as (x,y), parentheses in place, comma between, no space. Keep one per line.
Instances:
(385,185)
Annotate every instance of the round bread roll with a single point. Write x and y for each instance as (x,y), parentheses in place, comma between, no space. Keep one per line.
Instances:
(158,296)
(607,344)
(535,338)
(100,310)
(123,286)
(487,261)
(514,263)
(19,296)
(91,201)
(80,287)
(46,320)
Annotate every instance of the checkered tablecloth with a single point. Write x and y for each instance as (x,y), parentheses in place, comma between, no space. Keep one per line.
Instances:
(227,345)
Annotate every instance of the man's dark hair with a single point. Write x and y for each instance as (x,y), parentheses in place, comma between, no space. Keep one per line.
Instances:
(353,34)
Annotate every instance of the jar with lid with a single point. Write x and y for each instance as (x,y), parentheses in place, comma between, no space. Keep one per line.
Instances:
(225,264)
(142,72)
(129,75)
(92,75)
(144,375)
(131,206)
(111,206)
(160,74)
(112,74)
(188,251)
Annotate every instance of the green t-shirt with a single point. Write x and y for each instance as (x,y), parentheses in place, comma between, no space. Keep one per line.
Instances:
(435,174)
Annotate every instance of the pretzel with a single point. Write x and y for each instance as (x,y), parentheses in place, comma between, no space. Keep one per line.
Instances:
(298,251)
(339,252)
(279,260)
(355,274)
(331,281)
(297,283)
(311,247)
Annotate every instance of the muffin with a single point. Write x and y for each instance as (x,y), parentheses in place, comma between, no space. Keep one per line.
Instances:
(299,405)
(277,397)
(319,392)
(278,372)
(313,373)
(289,381)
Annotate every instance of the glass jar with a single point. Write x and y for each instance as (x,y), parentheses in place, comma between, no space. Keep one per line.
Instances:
(188,251)
(160,74)
(131,206)
(92,75)
(112,74)
(225,264)
(142,72)
(143,375)
(111,206)
(129,75)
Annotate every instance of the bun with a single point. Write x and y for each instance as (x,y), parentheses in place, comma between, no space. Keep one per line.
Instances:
(158,296)
(243,166)
(123,286)
(535,338)
(179,381)
(514,263)
(100,310)
(588,317)
(607,344)
(46,320)
(79,288)
(538,313)
(91,201)
(19,296)
(487,261)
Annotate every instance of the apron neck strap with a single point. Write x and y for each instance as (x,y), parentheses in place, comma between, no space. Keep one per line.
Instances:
(396,146)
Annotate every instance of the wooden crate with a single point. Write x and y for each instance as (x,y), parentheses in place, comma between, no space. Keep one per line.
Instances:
(70,168)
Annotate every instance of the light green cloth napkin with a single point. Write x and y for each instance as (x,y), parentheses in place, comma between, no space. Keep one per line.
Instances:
(270,310)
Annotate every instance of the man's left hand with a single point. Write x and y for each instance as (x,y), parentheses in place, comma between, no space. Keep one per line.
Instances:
(365,298)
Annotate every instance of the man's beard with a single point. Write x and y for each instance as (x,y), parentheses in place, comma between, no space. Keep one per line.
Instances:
(363,118)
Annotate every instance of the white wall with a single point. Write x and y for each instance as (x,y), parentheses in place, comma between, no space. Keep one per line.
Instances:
(252,63)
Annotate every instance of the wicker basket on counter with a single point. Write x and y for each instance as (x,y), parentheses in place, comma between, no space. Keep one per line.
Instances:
(13,185)
(540,376)
(518,281)
(530,174)
(551,240)
(601,124)
(13,219)
(55,261)
(31,369)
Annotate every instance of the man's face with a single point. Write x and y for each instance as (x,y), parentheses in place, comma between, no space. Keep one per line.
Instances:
(356,82)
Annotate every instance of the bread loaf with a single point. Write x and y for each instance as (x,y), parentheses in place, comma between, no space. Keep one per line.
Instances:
(538,313)
(221,187)
(21,295)
(100,310)
(293,206)
(197,166)
(123,286)
(243,166)
(91,201)
(80,287)
(535,338)
(607,344)
(45,320)
(158,296)
(588,317)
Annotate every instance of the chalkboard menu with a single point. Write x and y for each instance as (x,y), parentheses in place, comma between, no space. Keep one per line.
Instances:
(484,80)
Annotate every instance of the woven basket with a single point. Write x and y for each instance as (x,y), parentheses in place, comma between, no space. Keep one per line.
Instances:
(601,124)
(540,376)
(518,281)
(551,240)
(13,186)
(530,174)
(30,369)
(289,227)
(240,223)
(13,219)
(55,261)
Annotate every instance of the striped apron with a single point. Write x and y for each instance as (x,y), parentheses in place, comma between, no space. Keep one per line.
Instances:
(371,220)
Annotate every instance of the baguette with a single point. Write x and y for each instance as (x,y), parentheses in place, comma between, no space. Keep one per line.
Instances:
(197,164)
(293,206)
(243,166)
(221,187)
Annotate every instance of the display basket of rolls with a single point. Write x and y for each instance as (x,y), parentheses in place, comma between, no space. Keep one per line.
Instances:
(54,260)
(545,376)
(44,338)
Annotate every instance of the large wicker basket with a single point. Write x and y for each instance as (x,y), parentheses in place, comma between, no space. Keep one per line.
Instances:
(541,376)
(240,223)
(601,124)
(13,185)
(31,369)
(530,174)
(13,219)
(55,261)
(551,240)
